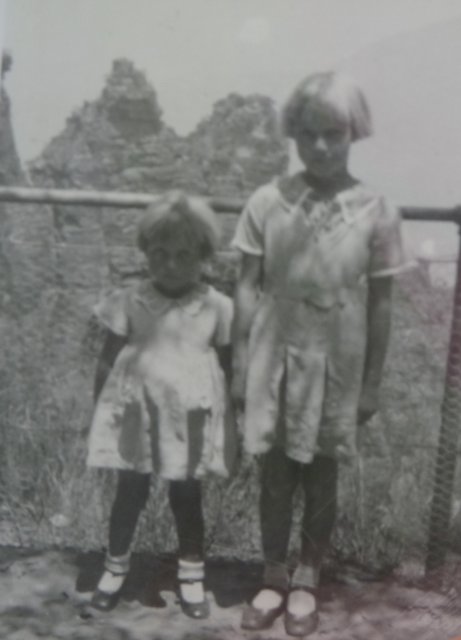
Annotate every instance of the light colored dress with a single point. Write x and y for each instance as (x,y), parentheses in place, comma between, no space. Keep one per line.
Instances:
(164,405)
(308,336)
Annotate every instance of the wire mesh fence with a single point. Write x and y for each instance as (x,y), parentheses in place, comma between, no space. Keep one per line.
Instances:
(442,500)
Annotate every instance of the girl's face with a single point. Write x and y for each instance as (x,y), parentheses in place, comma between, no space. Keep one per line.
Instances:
(323,141)
(174,263)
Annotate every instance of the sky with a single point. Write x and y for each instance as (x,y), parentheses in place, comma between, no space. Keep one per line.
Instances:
(195,52)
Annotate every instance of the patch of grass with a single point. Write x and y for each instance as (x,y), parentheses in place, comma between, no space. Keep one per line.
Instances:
(49,498)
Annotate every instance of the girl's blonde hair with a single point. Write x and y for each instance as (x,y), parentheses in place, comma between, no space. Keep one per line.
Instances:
(334,91)
(175,212)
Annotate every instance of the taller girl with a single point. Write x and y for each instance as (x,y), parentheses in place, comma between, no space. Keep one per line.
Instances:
(309,345)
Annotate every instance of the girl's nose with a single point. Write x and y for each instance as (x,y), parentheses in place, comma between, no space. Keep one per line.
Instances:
(171,263)
(320,144)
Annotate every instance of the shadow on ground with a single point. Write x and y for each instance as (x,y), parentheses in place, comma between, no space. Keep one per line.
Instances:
(46,595)
(230,582)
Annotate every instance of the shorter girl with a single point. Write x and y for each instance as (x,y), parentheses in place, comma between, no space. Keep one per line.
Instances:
(161,398)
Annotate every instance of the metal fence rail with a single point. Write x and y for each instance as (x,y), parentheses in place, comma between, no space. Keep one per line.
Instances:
(439,524)
(129,200)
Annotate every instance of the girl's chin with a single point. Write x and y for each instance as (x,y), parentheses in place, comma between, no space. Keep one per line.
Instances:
(323,171)
(174,288)
(326,174)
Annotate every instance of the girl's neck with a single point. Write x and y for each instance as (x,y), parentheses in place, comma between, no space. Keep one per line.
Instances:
(177,293)
(329,187)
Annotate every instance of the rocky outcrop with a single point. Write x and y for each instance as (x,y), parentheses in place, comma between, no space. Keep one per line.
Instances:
(237,148)
(120,141)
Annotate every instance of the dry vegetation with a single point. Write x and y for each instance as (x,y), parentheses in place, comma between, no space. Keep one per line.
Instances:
(49,498)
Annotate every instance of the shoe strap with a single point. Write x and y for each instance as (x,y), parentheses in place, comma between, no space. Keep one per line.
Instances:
(190,571)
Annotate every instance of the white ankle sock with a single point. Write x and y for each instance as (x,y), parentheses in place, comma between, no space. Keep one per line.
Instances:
(267,599)
(111,583)
(192,592)
(301,603)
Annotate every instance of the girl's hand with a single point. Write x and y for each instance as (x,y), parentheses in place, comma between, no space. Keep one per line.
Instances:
(246,462)
(368,404)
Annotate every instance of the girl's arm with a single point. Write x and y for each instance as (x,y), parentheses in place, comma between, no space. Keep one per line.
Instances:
(245,302)
(224,353)
(378,329)
(112,346)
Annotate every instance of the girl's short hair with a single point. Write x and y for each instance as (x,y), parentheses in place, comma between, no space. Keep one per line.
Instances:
(335,91)
(175,212)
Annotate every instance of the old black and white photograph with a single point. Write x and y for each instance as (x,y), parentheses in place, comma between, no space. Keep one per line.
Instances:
(230,319)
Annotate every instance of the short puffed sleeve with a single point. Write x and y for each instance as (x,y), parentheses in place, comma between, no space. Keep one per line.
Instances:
(249,233)
(224,310)
(112,311)
(387,256)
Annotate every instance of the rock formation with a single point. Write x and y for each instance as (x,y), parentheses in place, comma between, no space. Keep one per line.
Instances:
(121,142)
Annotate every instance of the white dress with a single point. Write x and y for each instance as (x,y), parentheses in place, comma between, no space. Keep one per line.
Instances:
(164,405)
(308,336)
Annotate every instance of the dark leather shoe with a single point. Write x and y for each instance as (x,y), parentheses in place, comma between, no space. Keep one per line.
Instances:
(254,619)
(196,610)
(296,625)
(104,601)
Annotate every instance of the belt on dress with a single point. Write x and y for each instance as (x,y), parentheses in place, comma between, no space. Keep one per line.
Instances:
(324,302)
(321,300)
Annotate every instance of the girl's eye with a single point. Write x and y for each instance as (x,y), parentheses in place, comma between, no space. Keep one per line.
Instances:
(157,255)
(307,134)
(330,135)
(184,257)
(334,134)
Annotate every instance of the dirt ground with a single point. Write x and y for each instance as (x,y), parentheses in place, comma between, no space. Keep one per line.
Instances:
(45,595)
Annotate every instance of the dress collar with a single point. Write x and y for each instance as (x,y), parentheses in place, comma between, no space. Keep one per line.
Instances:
(159,304)
(294,192)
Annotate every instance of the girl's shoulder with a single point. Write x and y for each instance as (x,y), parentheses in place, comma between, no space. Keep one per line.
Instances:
(359,193)
(291,188)
(127,295)
(218,300)
(113,309)
(264,196)
(223,309)
(362,200)
(125,298)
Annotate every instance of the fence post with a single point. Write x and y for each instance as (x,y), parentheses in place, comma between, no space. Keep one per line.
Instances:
(440,516)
